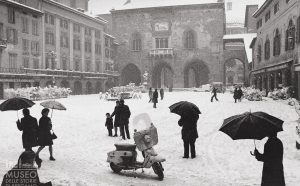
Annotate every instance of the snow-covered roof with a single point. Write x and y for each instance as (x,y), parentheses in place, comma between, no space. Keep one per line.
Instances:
(22,6)
(247,38)
(136,4)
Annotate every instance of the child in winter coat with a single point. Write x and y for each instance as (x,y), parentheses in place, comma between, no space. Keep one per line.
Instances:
(109,124)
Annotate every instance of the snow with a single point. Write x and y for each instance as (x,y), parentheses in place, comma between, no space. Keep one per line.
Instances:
(82,145)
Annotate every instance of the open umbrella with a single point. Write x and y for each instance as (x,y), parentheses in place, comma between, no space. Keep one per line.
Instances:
(184,108)
(16,103)
(53,105)
(256,125)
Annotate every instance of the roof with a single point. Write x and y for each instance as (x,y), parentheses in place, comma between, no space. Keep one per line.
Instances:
(20,5)
(137,4)
(86,15)
(247,38)
(262,8)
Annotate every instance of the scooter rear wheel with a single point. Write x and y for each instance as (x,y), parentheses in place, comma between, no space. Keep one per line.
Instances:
(158,170)
(115,168)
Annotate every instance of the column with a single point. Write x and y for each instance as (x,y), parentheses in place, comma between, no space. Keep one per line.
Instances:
(71,57)
(275,79)
(93,59)
(82,48)
(57,42)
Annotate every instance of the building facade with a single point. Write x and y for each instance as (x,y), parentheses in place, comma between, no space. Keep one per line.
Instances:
(275,50)
(178,46)
(50,43)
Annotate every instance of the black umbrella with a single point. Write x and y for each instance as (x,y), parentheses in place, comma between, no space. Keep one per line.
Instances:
(16,103)
(256,125)
(184,108)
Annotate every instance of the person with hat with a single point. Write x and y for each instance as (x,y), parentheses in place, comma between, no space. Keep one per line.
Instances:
(124,119)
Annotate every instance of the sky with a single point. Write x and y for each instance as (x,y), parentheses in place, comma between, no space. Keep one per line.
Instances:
(104,6)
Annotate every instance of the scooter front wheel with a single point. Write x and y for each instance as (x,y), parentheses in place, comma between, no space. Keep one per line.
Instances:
(158,170)
(115,168)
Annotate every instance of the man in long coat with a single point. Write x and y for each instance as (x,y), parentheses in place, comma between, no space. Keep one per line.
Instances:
(189,133)
(273,174)
(29,126)
(155,98)
(124,119)
(117,121)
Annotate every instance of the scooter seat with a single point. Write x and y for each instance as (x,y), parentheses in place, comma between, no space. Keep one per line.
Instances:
(125,146)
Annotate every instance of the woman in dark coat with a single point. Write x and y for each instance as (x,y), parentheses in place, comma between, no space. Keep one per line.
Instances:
(29,127)
(155,98)
(273,174)
(189,133)
(45,137)
(240,94)
(235,94)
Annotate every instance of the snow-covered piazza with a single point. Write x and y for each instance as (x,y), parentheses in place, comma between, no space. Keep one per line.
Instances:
(83,143)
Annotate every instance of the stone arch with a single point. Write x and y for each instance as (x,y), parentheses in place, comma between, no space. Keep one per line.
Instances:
(131,73)
(89,88)
(234,72)
(99,87)
(65,84)
(196,73)
(77,88)
(162,75)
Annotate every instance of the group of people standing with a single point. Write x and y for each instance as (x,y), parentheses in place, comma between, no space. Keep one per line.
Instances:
(238,94)
(153,96)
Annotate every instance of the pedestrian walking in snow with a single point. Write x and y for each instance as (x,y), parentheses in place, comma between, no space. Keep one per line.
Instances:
(44,136)
(150,94)
(124,119)
(189,133)
(214,92)
(162,93)
(273,174)
(29,126)
(116,113)
(155,98)
(109,124)
(240,94)
(235,94)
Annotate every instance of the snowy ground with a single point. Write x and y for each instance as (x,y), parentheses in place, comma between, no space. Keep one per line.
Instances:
(82,143)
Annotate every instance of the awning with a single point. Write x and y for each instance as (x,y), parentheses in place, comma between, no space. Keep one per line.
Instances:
(271,68)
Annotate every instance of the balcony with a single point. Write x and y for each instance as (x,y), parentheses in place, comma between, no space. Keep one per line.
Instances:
(161,52)
(3,44)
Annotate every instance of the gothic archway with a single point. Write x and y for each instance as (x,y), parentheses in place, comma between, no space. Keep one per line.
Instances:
(234,72)
(89,88)
(196,73)
(65,84)
(131,73)
(77,88)
(162,75)
(98,87)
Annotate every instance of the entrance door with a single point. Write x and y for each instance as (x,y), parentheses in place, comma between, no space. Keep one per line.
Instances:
(1,91)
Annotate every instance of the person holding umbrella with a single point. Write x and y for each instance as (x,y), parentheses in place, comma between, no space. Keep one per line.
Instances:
(273,174)
(45,136)
(29,126)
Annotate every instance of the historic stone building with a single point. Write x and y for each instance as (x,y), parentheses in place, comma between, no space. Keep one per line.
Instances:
(275,50)
(53,43)
(178,45)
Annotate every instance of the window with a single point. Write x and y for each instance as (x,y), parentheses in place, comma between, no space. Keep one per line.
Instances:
(267,49)
(290,36)
(73,3)
(88,46)
(111,54)
(64,64)
(106,42)
(50,63)
(24,25)
(1,30)
(49,19)
(25,46)
(276,8)
(26,62)
(77,64)
(64,41)
(98,34)
(107,53)
(76,28)
(267,16)
(64,23)
(259,23)
(12,36)
(76,44)
(35,48)
(189,41)
(229,6)
(161,42)
(98,48)
(259,53)
(12,59)
(277,43)
(87,31)
(35,27)
(109,67)
(50,38)
(98,66)
(36,64)
(11,16)
(88,65)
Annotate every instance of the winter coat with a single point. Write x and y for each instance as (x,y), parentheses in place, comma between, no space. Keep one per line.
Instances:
(189,127)
(240,93)
(235,94)
(161,91)
(155,97)
(45,126)
(116,113)
(109,123)
(124,115)
(273,174)
(29,127)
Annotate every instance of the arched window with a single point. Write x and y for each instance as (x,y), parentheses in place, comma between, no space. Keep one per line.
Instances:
(276,43)
(259,53)
(190,39)
(290,36)
(267,49)
(136,42)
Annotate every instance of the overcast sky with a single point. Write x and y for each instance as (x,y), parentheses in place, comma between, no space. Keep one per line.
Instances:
(104,6)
